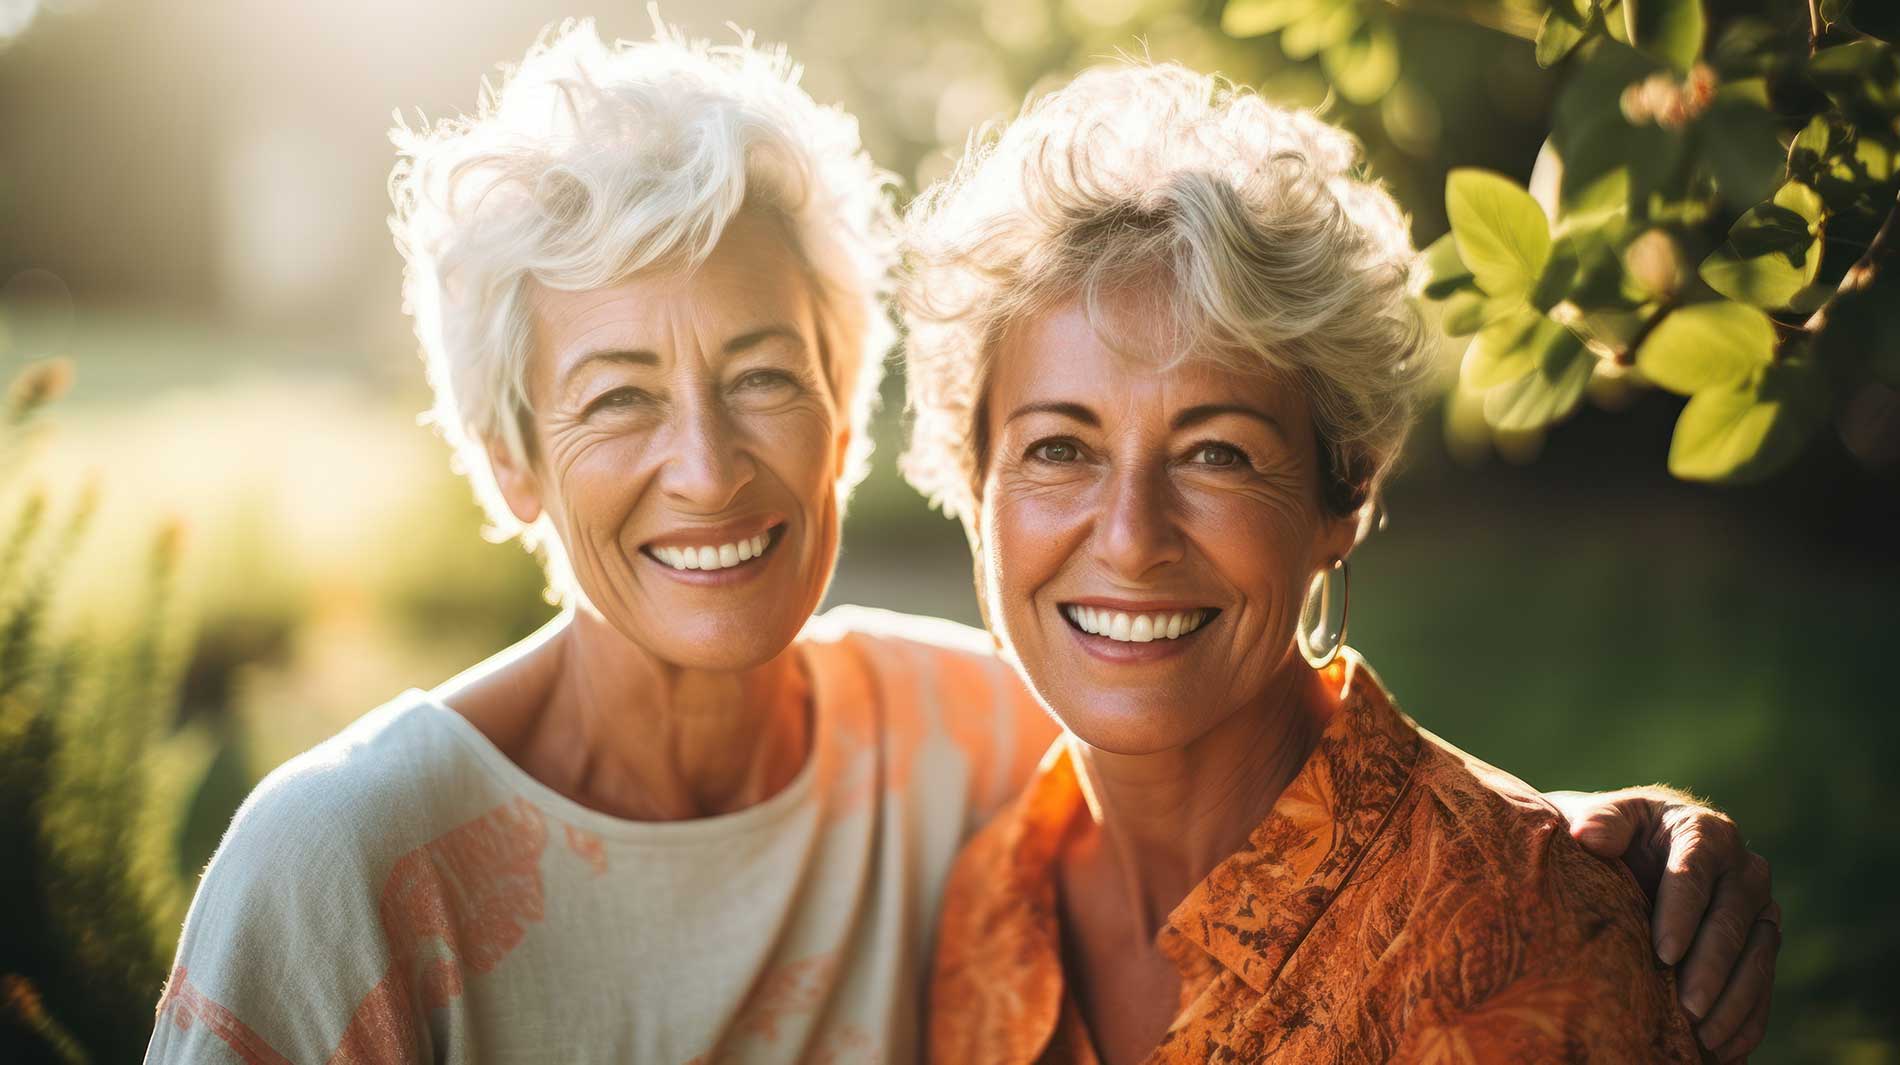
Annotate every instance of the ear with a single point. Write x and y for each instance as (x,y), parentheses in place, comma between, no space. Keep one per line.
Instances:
(841,450)
(518,482)
(1340,533)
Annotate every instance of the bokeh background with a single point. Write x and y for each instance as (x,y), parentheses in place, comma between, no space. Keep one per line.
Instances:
(239,539)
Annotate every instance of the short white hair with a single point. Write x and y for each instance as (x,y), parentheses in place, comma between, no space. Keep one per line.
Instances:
(591,163)
(1251,228)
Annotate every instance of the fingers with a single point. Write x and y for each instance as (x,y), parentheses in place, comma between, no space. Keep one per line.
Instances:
(1740,898)
(1744,1043)
(1606,827)
(1703,848)
(1726,1026)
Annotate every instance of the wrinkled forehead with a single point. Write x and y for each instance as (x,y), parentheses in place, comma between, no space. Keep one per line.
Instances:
(752,279)
(1138,350)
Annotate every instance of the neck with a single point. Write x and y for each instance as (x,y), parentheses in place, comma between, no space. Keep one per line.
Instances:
(1163,821)
(620,731)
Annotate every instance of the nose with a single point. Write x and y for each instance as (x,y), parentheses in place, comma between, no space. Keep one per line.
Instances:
(706,463)
(1136,532)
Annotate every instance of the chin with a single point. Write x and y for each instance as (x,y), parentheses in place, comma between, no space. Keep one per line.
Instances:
(1127,729)
(721,645)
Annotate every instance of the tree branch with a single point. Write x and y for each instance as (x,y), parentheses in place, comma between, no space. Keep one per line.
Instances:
(1861,275)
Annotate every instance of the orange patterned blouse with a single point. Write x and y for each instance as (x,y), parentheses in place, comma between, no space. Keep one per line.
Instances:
(1402,902)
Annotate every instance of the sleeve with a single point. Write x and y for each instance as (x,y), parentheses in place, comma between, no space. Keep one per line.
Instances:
(283,957)
(1583,985)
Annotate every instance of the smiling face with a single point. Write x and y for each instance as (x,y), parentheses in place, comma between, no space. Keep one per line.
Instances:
(1147,536)
(687,446)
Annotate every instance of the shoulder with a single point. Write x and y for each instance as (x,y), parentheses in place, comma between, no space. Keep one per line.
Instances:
(928,677)
(1536,945)
(996,963)
(889,632)
(382,770)
(319,831)
(1510,841)
(287,930)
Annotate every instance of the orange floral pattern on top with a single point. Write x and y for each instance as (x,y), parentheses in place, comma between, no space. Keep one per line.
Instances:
(1401,902)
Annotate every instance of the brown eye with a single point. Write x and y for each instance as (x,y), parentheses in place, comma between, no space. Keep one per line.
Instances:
(765,379)
(1218,456)
(615,399)
(1057,451)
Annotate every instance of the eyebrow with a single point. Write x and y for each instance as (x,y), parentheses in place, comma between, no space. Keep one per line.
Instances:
(759,336)
(1185,420)
(623,356)
(643,357)
(1208,411)
(1067,410)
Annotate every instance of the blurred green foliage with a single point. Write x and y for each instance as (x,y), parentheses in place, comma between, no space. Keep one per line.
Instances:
(1581,624)
(1768,157)
(84,751)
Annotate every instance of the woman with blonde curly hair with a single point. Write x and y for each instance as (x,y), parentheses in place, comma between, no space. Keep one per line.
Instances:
(1163,354)
(686,821)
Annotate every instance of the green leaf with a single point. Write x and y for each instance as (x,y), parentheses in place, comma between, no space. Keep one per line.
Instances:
(1501,233)
(1608,331)
(1558,35)
(1445,272)
(1874,157)
(1251,18)
(1615,22)
(1773,252)
(1560,274)
(1810,147)
(1319,30)
(1843,63)
(1705,345)
(1803,201)
(1465,312)
(1670,30)
(1364,66)
(1551,390)
(1741,143)
(1747,429)
(1503,351)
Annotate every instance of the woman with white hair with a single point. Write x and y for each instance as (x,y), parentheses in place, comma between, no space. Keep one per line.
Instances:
(1163,355)
(686,821)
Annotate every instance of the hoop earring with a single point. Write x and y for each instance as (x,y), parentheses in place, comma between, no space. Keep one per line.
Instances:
(1315,611)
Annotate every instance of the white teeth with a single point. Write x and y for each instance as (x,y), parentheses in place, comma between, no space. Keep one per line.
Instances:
(1136,628)
(724,556)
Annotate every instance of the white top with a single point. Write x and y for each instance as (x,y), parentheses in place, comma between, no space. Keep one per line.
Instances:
(404,892)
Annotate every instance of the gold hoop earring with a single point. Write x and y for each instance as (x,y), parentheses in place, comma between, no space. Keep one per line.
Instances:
(1316,611)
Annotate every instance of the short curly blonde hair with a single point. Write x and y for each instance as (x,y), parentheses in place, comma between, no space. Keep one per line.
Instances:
(1253,226)
(592,163)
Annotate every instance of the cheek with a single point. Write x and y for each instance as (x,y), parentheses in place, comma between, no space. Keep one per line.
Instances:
(1261,550)
(1031,535)
(797,444)
(597,481)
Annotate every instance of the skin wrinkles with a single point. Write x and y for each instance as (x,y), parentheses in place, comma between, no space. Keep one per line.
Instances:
(1193,485)
(692,408)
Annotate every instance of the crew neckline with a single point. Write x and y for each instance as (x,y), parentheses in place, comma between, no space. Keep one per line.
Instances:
(794,795)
